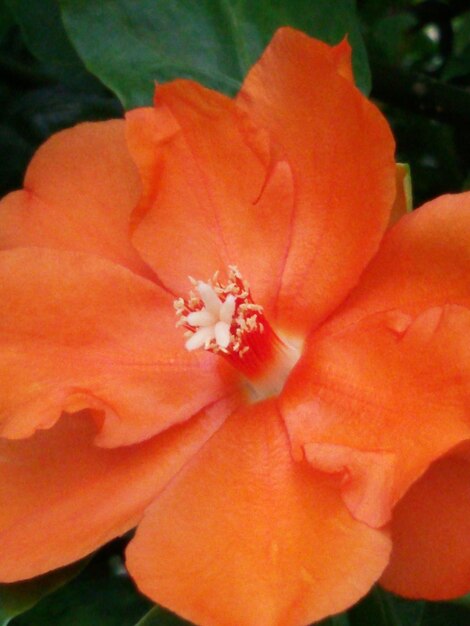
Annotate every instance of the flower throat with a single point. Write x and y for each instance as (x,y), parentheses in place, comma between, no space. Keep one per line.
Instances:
(223,319)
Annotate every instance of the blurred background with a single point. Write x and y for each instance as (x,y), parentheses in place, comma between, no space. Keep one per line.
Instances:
(66,61)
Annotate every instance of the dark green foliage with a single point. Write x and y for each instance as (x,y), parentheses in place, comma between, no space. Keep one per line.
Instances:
(131,44)
(16,598)
(420,59)
(39,97)
(102,595)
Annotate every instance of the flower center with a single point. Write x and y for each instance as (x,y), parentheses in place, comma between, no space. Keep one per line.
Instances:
(223,319)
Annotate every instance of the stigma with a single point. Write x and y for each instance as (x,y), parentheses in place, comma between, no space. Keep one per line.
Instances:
(223,318)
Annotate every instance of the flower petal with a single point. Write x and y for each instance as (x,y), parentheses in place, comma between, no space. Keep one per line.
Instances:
(424,261)
(244,535)
(431,527)
(366,478)
(340,150)
(389,386)
(61,497)
(341,56)
(77,331)
(214,194)
(80,190)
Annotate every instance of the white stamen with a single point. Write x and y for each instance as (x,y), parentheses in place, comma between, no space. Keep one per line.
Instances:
(200,338)
(218,316)
(222,334)
(210,298)
(227,309)
(213,321)
(201,318)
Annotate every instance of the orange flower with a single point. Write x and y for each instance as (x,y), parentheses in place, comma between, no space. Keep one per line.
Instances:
(263,467)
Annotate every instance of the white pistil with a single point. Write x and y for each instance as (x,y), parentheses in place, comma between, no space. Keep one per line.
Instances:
(200,338)
(213,321)
(201,318)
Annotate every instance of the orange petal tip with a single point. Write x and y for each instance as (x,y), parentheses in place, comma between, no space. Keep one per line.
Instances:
(366,479)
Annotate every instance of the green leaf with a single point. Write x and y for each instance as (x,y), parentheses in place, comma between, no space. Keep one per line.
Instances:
(458,66)
(102,595)
(461,27)
(44,33)
(463,600)
(33,106)
(380,608)
(431,150)
(389,36)
(336,620)
(6,19)
(129,44)
(404,176)
(445,614)
(16,598)
(160,617)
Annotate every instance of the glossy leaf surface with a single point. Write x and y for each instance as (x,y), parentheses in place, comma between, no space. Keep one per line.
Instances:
(130,45)
(16,598)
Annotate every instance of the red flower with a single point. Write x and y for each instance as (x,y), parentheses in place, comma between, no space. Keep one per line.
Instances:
(261,486)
